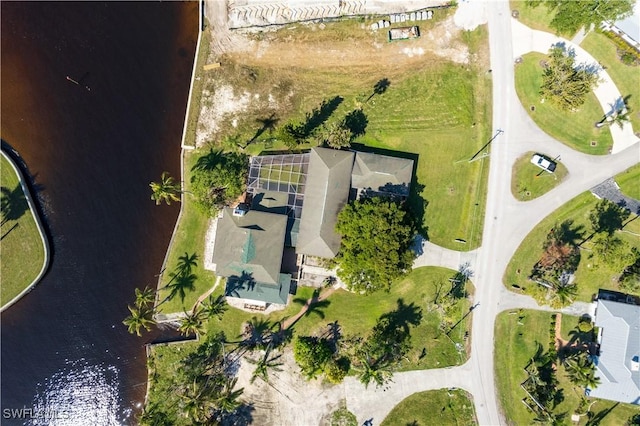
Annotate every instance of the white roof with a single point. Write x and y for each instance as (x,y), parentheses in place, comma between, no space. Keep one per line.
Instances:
(631,25)
(619,347)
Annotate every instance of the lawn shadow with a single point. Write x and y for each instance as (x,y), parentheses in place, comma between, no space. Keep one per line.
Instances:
(356,121)
(13,203)
(267,124)
(320,115)
(403,316)
(379,88)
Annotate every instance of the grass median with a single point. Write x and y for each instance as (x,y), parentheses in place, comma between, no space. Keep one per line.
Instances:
(575,129)
(444,407)
(21,238)
(529,181)
(629,182)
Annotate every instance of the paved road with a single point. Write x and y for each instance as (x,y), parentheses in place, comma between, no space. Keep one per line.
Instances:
(507,223)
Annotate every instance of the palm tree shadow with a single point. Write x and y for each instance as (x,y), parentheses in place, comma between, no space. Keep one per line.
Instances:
(600,415)
(314,305)
(403,316)
(267,124)
(13,203)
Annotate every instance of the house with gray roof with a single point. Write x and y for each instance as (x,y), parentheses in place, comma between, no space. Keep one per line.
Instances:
(294,204)
(248,251)
(327,191)
(375,174)
(617,364)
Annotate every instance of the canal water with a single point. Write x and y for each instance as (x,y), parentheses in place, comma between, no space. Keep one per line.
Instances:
(91,150)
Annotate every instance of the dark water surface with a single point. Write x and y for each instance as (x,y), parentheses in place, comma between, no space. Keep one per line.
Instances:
(65,352)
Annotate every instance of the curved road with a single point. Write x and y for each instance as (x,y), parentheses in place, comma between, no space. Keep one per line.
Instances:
(507,223)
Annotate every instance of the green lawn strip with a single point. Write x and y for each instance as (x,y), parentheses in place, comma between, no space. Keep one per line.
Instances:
(626,77)
(575,129)
(516,335)
(588,277)
(537,18)
(189,238)
(629,182)
(529,181)
(439,407)
(20,240)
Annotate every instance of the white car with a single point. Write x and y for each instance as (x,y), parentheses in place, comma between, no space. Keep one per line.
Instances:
(543,162)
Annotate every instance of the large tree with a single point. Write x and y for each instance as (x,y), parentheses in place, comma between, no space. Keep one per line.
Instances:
(376,237)
(570,16)
(564,84)
(218,178)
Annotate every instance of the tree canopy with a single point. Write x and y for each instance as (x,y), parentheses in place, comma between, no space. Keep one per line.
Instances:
(570,16)
(218,178)
(376,237)
(563,84)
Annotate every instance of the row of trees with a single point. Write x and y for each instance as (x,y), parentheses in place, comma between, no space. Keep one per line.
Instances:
(373,357)
(562,252)
(217,178)
(570,16)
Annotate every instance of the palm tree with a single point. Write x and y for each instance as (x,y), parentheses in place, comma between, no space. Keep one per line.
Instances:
(370,369)
(564,294)
(166,190)
(192,323)
(264,364)
(144,297)
(581,371)
(214,307)
(228,399)
(257,333)
(138,319)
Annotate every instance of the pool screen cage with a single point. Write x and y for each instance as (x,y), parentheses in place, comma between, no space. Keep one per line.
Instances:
(285,173)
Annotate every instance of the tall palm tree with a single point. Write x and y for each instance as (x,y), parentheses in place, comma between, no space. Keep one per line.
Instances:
(257,333)
(264,364)
(192,323)
(144,297)
(563,294)
(580,371)
(228,400)
(138,319)
(166,190)
(214,307)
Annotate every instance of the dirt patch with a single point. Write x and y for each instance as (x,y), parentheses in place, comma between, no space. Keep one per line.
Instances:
(288,398)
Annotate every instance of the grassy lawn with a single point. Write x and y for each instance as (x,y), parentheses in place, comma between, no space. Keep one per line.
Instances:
(589,278)
(516,335)
(439,111)
(626,78)
(575,129)
(629,182)
(189,238)
(20,238)
(441,407)
(537,18)
(527,181)
(357,314)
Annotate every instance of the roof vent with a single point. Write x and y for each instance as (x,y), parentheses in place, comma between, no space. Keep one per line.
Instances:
(635,364)
(240,211)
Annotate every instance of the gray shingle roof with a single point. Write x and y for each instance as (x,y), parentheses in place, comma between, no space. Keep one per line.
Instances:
(381,173)
(620,343)
(250,244)
(327,191)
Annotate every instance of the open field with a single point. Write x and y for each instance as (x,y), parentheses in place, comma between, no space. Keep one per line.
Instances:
(437,105)
(440,407)
(575,129)
(626,77)
(529,181)
(629,182)
(20,237)
(516,335)
(588,276)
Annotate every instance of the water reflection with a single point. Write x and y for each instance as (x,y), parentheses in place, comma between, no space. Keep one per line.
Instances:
(78,395)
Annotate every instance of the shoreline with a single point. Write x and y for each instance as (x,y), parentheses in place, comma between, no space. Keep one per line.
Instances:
(183,148)
(39,226)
